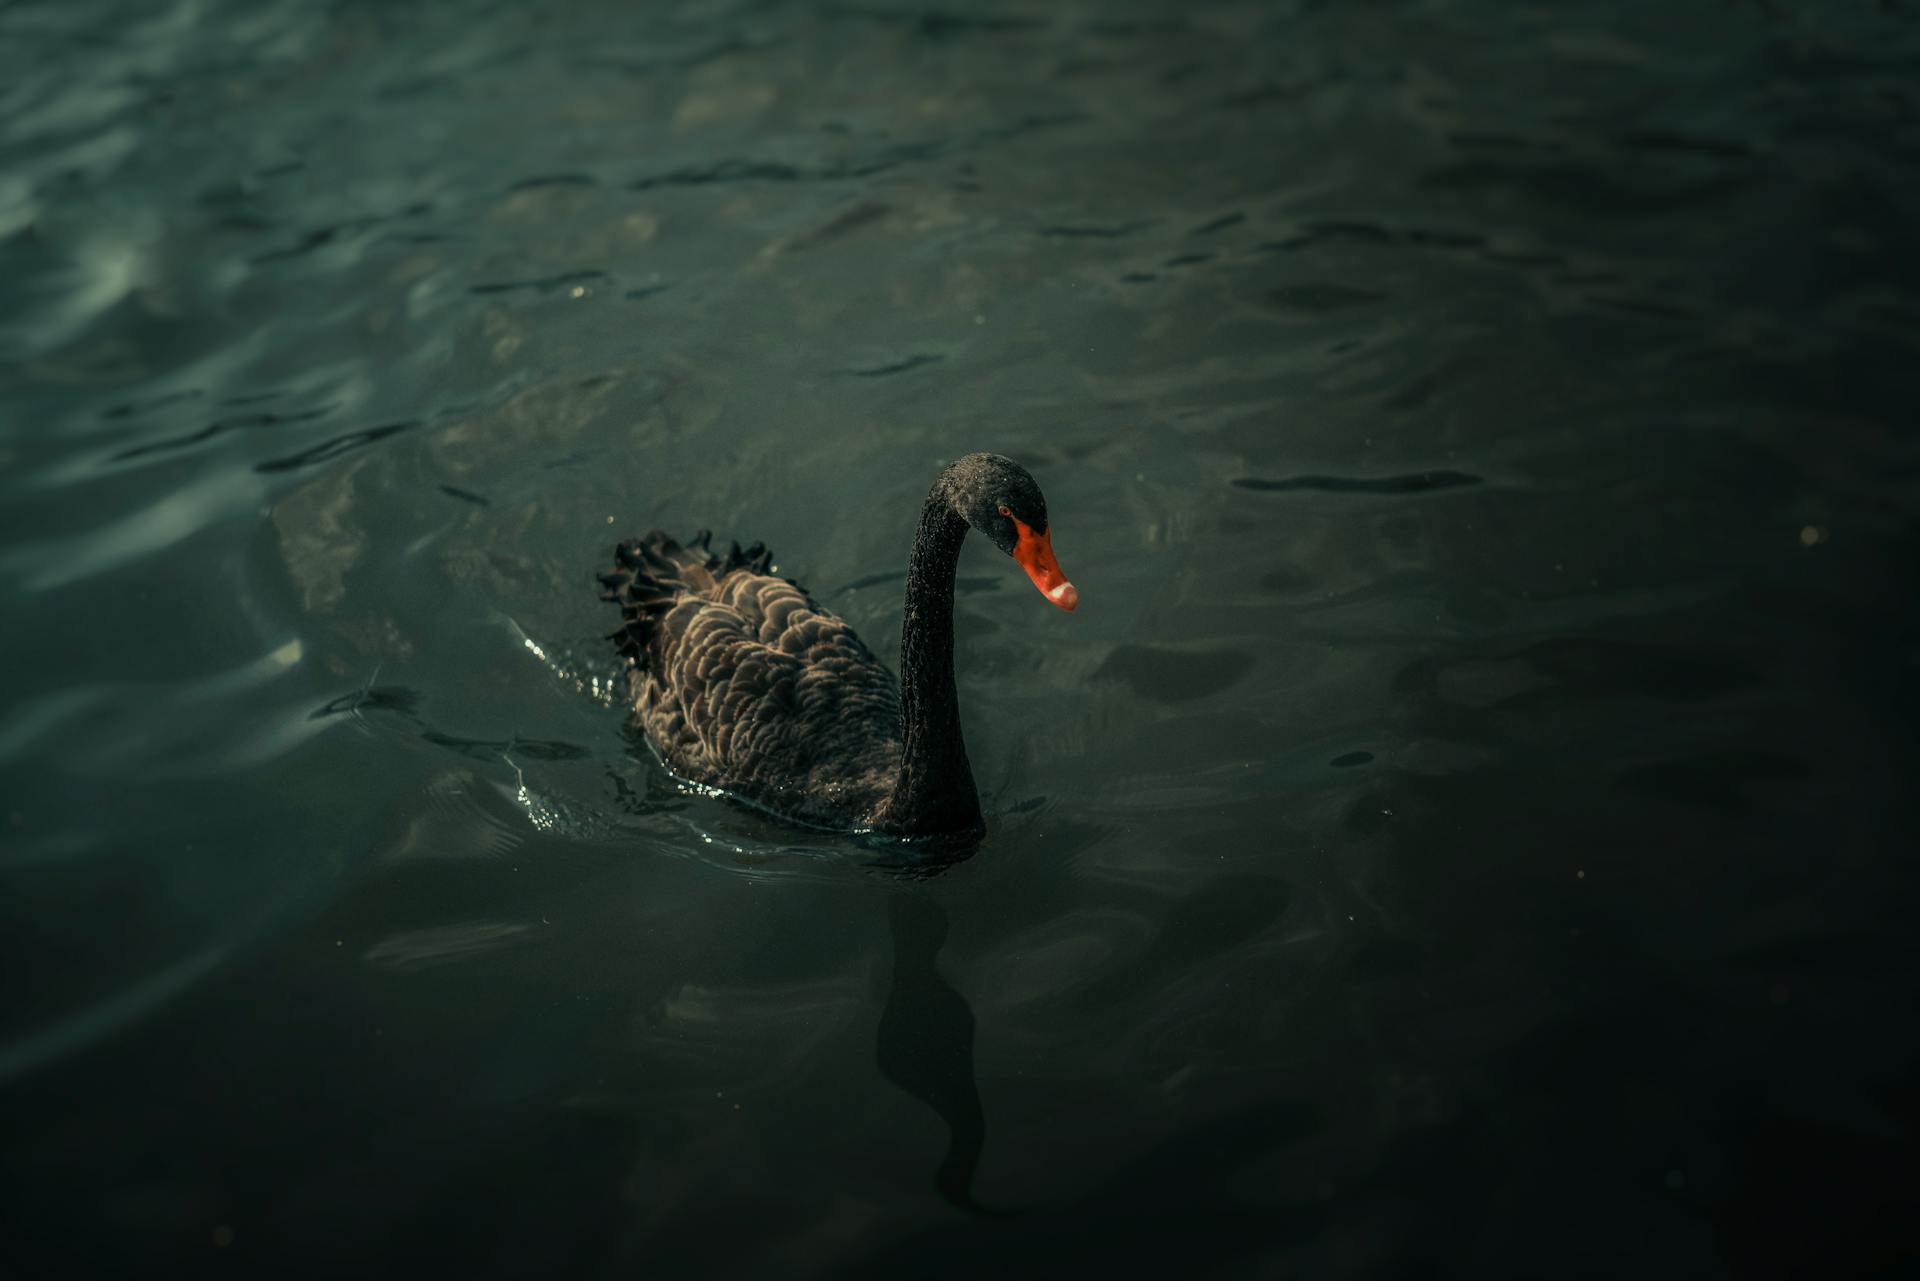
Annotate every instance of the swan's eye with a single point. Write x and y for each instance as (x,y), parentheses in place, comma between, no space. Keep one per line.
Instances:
(1005,510)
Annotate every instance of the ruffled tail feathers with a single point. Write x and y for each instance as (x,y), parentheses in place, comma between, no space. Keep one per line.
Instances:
(653,573)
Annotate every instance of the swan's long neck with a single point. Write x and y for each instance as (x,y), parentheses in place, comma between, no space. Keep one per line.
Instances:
(935,790)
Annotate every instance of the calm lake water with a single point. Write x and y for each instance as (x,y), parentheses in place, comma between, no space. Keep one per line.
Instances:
(1466,830)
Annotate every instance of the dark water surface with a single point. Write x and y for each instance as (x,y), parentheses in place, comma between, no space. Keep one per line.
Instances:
(1466,830)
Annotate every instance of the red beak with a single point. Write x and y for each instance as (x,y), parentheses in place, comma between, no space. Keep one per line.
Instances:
(1034,551)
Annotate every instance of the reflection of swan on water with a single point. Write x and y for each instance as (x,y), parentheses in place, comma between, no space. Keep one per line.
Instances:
(925,1041)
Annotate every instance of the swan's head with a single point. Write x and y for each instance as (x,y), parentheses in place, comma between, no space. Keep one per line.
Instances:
(996,496)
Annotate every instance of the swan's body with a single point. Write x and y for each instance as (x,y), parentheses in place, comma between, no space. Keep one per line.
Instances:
(744,683)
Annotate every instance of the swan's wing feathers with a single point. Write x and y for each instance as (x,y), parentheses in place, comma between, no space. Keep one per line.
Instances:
(766,654)
(744,682)
(729,709)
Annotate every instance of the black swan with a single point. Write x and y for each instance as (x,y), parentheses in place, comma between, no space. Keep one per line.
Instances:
(743,683)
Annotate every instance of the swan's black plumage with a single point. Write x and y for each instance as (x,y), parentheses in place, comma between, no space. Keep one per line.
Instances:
(744,683)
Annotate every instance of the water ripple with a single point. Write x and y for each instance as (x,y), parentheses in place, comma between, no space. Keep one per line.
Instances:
(1411,483)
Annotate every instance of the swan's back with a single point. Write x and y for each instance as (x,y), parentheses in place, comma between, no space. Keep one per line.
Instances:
(744,683)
